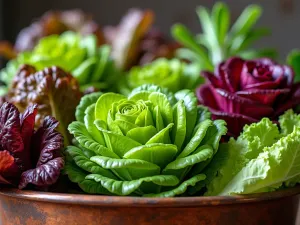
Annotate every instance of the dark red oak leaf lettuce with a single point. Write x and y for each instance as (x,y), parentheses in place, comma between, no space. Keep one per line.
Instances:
(244,91)
(55,92)
(28,156)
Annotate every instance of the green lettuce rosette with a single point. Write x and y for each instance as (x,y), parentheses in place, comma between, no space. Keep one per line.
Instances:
(151,143)
(89,64)
(172,74)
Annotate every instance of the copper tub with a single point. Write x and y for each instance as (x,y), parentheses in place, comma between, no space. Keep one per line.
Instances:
(34,208)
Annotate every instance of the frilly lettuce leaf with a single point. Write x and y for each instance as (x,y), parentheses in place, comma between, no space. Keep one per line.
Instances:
(289,121)
(261,159)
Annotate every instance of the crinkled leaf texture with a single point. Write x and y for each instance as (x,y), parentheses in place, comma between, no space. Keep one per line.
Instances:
(55,92)
(28,156)
(152,143)
(46,153)
(261,159)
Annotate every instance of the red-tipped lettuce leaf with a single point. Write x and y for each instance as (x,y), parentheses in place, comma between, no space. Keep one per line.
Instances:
(55,92)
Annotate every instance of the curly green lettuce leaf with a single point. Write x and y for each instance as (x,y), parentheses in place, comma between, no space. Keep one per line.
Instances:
(261,159)
(277,164)
(288,121)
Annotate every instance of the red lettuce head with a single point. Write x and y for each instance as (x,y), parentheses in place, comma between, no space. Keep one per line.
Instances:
(244,91)
(28,156)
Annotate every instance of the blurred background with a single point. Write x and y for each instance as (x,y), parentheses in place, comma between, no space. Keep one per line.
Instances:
(282,16)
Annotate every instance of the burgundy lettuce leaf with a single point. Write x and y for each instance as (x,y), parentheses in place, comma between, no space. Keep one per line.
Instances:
(244,91)
(27,120)
(47,142)
(28,156)
(43,175)
(9,171)
(46,154)
(54,91)
(10,134)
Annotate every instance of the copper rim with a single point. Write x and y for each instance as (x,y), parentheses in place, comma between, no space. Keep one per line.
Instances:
(109,201)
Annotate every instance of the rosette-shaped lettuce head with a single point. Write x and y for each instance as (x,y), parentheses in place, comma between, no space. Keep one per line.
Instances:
(244,91)
(151,143)
(172,74)
(89,64)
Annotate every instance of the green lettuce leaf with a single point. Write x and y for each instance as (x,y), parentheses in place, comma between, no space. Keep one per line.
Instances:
(261,159)
(86,101)
(181,188)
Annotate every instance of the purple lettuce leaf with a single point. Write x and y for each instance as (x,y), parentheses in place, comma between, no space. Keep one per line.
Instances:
(46,146)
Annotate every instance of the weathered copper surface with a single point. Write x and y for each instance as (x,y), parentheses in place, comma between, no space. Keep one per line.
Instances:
(34,208)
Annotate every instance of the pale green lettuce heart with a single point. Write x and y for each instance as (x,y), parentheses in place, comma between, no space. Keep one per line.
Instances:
(104,104)
(161,101)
